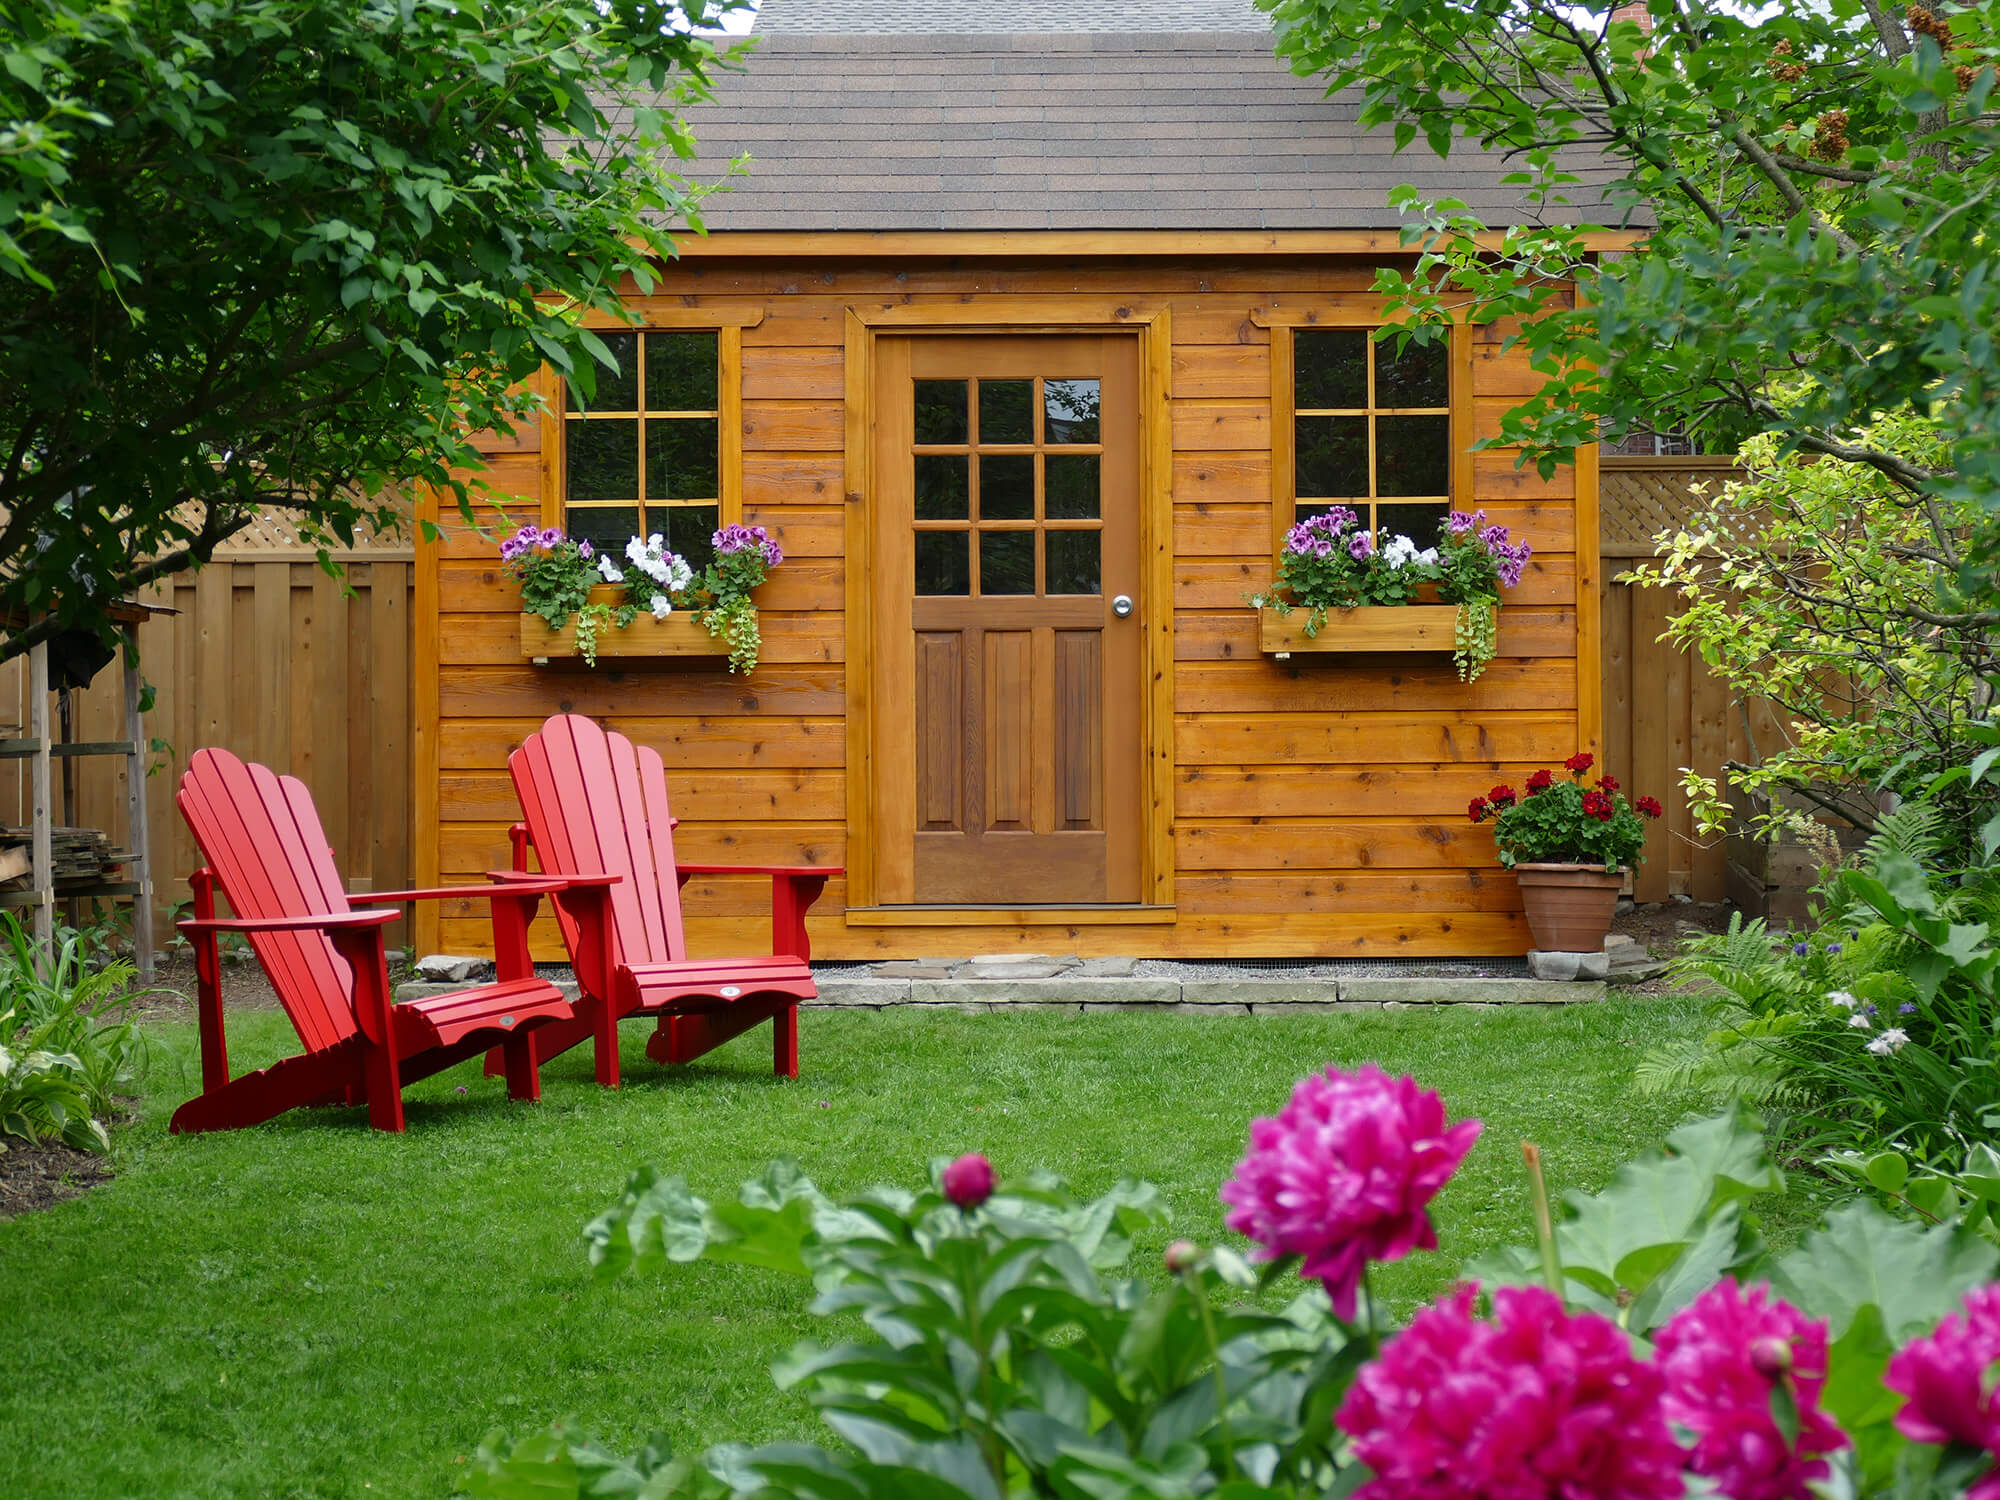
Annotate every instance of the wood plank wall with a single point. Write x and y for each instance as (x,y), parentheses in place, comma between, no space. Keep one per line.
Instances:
(1320,805)
(270,657)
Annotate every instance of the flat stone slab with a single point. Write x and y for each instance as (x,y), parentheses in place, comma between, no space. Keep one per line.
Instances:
(841,990)
(1044,969)
(1258,992)
(1416,990)
(419,989)
(1567,966)
(1070,990)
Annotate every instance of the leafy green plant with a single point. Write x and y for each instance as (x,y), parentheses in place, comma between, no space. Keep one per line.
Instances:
(996,1355)
(67,1046)
(1564,822)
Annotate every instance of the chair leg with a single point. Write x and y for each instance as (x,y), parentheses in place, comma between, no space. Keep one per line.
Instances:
(524,1078)
(785,1042)
(385,1089)
(604,1022)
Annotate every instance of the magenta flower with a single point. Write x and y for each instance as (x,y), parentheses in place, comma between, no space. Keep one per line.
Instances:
(1361,546)
(1944,1375)
(733,539)
(968,1182)
(1459,523)
(1537,1403)
(1343,1173)
(1720,1356)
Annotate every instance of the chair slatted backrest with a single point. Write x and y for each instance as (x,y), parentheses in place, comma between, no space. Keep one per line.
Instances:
(263,842)
(595,803)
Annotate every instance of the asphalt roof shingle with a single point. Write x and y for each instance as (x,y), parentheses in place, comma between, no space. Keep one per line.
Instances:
(898,125)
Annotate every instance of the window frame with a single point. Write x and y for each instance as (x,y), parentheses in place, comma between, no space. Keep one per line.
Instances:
(727,325)
(1284,323)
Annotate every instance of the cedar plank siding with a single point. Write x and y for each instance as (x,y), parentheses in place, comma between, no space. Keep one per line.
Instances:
(1318,805)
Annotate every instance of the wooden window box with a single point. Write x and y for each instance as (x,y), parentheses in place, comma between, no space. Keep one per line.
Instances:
(679,634)
(1371,627)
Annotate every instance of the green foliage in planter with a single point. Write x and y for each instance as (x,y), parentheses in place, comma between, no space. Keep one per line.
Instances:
(1564,822)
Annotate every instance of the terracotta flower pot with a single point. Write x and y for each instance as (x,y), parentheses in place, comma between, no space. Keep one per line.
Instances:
(1569,907)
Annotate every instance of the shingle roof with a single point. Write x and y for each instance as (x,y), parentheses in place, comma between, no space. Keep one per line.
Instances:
(904,128)
(985,17)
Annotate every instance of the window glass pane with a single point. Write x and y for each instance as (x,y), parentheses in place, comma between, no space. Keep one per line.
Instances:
(1073,562)
(607,528)
(1419,376)
(943,563)
(602,459)
(680,371)
(941,411)
(1071,482)
(690,531)
(617,390)
(1069,411)
(1006,562)
(681,461)
(1412,455)
(1422,524)
(1333,456)
(1006,411)
(942,487)
(1329,368)
(1007,487)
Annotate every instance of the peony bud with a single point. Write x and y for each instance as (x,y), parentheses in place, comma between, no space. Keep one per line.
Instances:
(968,1182)
(1771,1357)
(1181,1256)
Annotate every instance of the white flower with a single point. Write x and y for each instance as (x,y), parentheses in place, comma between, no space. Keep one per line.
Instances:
(1890,1041)
(662,606)
(1429,555)
(1844,1000)
(1859,1023)
(1399,552)
(635,551)
(609,569)
(680,575)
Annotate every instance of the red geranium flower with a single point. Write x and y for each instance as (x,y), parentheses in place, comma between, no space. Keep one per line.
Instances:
(1477,809)
(1580,762)
(1607,784)
(1597,805)
(1650,806)
(1502,796)
(1539,781)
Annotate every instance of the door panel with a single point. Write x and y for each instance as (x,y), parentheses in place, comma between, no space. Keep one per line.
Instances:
(1007,761)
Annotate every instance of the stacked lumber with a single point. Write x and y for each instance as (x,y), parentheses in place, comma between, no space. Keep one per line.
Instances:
(75,854)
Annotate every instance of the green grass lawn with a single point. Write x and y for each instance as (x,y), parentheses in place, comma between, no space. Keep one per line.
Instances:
(312,1309)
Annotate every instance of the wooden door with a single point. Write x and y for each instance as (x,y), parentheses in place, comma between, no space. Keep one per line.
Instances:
(1008,759)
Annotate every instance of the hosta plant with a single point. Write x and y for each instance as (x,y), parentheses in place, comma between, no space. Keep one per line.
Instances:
(988,1342)
(67,1047)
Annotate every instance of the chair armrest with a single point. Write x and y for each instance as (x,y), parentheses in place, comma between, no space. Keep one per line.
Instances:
(517,885)
(513,878)
(318,922)
(796,872)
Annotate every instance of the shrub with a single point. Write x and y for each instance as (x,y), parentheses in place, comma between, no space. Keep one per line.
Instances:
(1648,1346)
(67,1048)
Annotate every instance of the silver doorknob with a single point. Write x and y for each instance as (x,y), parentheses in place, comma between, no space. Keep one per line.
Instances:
(1122,605)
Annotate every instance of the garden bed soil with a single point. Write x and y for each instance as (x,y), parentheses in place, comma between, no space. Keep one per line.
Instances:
(42,1176)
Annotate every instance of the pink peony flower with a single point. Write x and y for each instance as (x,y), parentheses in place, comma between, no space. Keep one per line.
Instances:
(1721,1355)
(1341,1176)
(1537,1403)
(968,1182)
(1944,1374)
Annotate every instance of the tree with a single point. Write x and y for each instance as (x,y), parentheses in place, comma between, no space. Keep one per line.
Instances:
(293,253)
(1820,186)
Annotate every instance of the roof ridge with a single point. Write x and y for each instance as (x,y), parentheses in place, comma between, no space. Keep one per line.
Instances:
(1040,19)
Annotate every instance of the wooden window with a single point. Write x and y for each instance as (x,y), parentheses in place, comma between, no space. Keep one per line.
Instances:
(658,446)
(1364,424)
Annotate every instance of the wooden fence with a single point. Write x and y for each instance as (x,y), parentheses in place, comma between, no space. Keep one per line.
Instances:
(268,656)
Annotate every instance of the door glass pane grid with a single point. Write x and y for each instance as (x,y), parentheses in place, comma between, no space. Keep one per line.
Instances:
(1406,457)
(976,494)
(644,457)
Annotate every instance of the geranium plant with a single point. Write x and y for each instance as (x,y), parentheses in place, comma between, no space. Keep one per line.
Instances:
(1331,562)
(1566,822)
(557,573)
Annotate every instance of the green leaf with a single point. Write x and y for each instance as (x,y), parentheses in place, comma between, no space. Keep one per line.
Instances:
(1887,1170)
(1911,1274)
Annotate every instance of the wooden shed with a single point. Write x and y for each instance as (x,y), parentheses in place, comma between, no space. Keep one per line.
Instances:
(1028,346)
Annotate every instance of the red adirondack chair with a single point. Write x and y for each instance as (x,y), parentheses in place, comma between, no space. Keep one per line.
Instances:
(595,803)
(266,852)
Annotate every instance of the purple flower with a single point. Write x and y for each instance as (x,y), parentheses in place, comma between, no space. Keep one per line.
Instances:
(1460,523)
(1361,546)
(1721,1355)
(1944,1376)
(1907,1008)
(968,1182)
(1832,948)
(1342,1174)
(1539,1404)
(1800,950)
(1495,537)
(734,538)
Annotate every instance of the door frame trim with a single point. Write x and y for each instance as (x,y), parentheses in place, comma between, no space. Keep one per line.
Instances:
(1151,322)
